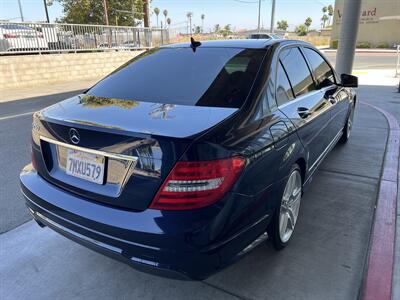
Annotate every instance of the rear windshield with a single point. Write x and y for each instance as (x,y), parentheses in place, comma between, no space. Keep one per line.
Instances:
(217,77)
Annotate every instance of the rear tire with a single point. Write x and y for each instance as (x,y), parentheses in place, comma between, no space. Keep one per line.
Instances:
(348,127)
(284,220)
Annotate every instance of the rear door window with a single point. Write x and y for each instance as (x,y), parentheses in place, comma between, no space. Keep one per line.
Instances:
(322,71)
(217,77)
(297,71)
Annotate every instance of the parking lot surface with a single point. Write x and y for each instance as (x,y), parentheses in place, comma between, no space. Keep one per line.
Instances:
(325,259)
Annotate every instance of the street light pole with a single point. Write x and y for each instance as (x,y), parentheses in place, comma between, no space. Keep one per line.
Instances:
(20,10)
(273,16)
(259,12)
(47,12)
(348,36)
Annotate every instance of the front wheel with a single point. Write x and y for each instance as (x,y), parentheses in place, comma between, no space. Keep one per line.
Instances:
(285,217)
(348,127)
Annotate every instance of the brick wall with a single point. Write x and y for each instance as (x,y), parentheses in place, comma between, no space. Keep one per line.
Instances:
(33,70)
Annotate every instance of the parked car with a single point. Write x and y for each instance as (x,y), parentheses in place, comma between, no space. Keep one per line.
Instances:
(258,36)
(20,37)
(188,156)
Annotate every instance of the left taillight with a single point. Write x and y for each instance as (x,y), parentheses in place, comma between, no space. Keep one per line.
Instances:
(197,184)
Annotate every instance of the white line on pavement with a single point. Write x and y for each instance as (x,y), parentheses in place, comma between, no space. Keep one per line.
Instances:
(16,116)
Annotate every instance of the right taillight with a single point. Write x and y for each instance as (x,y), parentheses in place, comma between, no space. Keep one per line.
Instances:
(197,184)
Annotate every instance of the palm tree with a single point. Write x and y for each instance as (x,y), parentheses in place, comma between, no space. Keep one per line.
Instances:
(324,19)
(330,13)
(157,12)
(165,13)
(168,21)
(189,15)
(202,22)
(217,28)
(308,23)
(282,25)
(324,9)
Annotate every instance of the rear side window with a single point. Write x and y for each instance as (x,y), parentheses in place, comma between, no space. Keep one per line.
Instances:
(283,92)
(297,71)
(322,71)
(216,77)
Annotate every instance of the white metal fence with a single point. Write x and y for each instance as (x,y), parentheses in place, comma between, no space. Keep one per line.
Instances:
(56,37)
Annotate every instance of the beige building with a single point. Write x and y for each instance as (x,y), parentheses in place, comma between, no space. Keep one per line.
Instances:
(379,23)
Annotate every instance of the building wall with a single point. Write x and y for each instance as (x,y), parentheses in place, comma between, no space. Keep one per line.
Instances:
(32,70)
(372,30)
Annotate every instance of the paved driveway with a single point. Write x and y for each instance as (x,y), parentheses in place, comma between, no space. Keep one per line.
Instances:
(325,259)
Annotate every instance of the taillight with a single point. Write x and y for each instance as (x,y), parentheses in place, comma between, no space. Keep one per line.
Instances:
(9,36)
(197,184)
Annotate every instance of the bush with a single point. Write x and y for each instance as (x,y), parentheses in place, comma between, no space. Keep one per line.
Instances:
(334,44)
(383,45)
(365,45)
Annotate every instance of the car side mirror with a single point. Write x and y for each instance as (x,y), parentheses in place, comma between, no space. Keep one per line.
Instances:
(349,80)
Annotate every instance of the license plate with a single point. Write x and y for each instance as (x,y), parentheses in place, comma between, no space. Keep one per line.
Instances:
(85,165)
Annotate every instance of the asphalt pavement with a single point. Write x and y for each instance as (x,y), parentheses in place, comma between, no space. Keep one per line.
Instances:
(15,128)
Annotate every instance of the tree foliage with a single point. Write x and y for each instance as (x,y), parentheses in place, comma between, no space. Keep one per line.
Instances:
(92,12)
(226,30)
(324,19)
(301,30)
(283,25)
(330,13)
(308,22)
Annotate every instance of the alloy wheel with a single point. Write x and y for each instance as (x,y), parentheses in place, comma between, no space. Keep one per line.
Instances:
(290,206)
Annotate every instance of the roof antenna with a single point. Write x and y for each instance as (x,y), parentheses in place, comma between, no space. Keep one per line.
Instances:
(194,44)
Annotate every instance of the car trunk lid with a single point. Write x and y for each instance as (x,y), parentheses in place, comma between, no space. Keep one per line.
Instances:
(137,142)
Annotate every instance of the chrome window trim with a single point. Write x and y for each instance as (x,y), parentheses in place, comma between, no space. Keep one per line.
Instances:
(88,150)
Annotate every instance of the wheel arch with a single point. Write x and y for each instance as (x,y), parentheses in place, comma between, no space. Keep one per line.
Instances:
(301,162)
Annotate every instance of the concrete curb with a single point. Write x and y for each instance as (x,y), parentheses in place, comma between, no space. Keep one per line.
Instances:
(379,271)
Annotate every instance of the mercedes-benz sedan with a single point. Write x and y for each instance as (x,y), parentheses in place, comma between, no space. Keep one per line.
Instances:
(186,157)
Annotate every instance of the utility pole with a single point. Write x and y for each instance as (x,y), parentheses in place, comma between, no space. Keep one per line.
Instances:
(273,16)
(348,36)
(47,13)
(20,10)
(146,13)
(259,12)
(105,11)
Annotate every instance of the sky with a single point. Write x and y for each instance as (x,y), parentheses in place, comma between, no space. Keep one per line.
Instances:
(239,13)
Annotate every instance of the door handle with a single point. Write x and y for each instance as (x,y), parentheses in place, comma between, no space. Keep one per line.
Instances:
(303,112)
(332,100)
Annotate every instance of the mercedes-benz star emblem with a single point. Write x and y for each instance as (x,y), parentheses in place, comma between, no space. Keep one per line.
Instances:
(74,136)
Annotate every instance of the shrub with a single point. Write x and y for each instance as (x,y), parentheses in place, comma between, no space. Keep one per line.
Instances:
(364,45)
(334,44)
(382,45)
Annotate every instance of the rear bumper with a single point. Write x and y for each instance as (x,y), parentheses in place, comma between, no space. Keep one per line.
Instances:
(156,242)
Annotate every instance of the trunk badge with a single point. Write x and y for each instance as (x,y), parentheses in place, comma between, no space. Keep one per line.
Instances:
(74,136)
